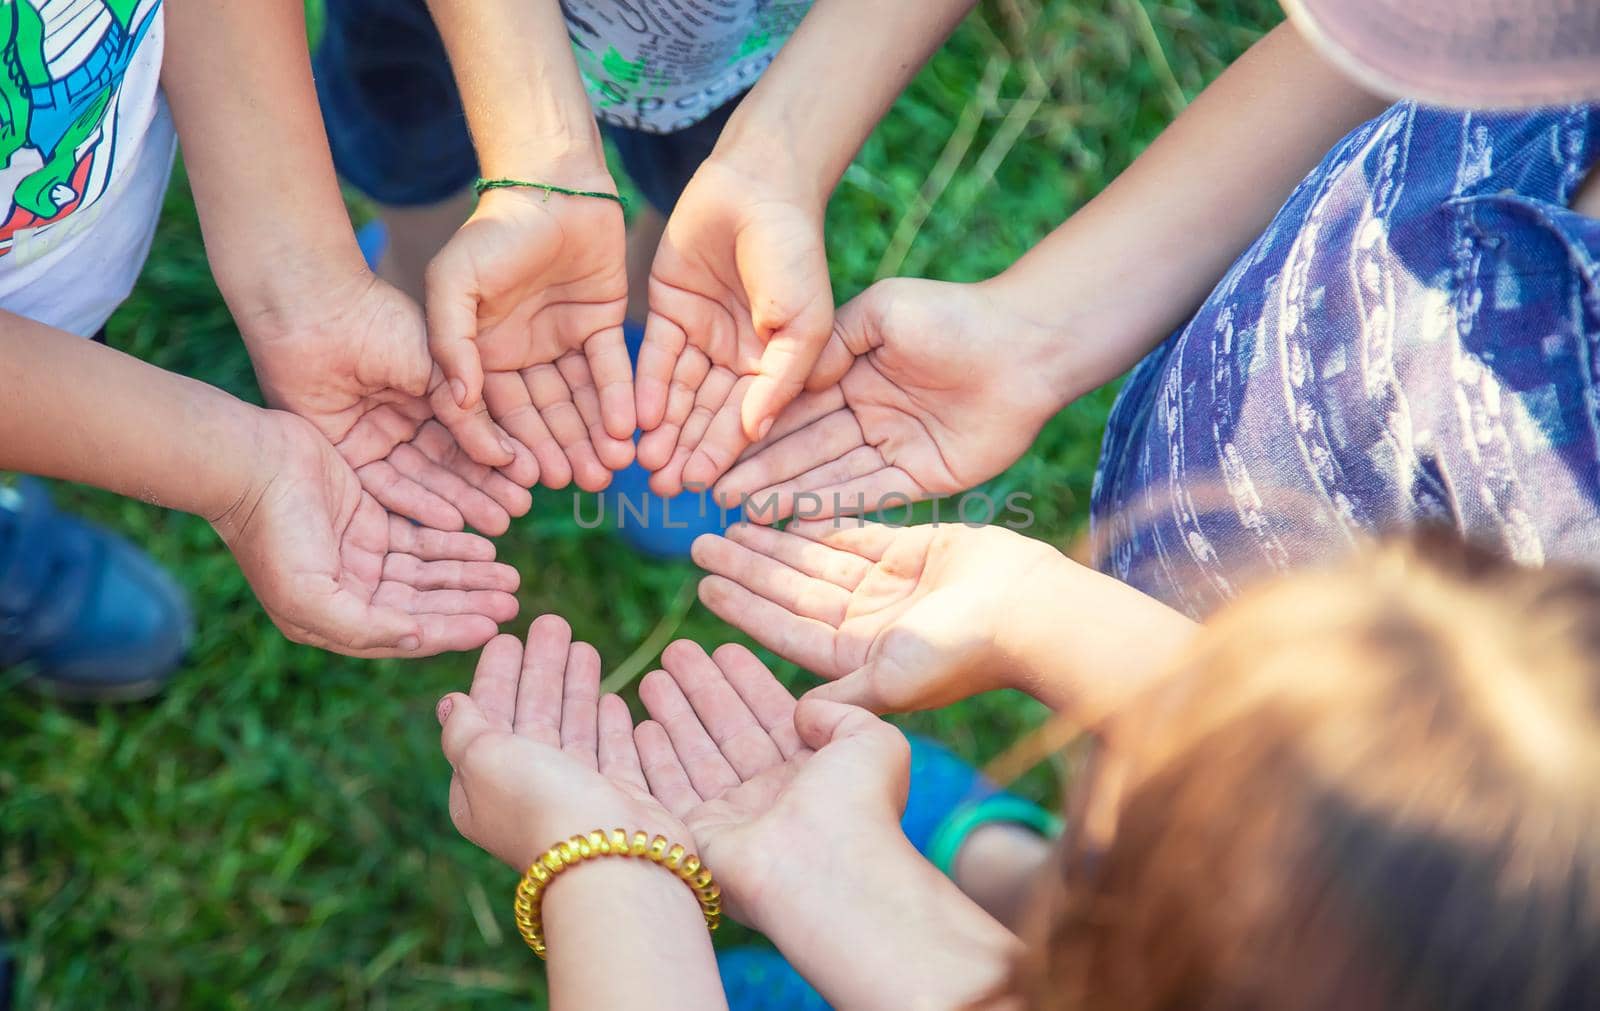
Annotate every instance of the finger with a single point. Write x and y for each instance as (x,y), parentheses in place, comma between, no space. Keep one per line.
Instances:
(543,680)
(510,400)
(767,699)
(405,497)
(858,688)
(435,545)
(786,364)
(507,487)
(823,441)
(811,497)
(553,398)
(477,508)
(713,393)
(806,409)
(799,594)
(821,722)
(805,641)
(580,703)
(813,556)
(480,438)
(496,605)
(342,622)
(451,633)
(855,536)
(464,723)
(494,684)
(450,574)
(722,443)
(619,756)
(615,454)
(452,311)
(607,352)
(708,770)
(834,362)
(656,445)
(663,342)
(669,784)
(743,742)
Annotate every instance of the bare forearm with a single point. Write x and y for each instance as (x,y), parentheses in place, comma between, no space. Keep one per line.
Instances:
(624,934)
(1135,262)
(832,82)
(875,925)
(520,85)
(239,80)
(80,411)
(1086,644)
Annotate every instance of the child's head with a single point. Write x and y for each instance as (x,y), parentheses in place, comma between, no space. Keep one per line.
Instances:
(1374,788)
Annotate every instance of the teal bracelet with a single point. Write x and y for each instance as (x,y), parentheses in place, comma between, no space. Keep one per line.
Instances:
(483,186)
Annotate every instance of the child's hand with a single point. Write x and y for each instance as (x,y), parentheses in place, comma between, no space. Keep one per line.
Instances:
(949,387)
(525,310)
(334,569)
(740,310)
(771,792)
(538,755)
(352,359)
(899,619)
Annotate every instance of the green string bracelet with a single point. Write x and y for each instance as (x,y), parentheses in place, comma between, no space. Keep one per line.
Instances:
(483,186)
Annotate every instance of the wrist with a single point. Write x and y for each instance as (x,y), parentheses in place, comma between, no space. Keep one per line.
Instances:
(235,439)
(574,158)
(292,298)
(774,161)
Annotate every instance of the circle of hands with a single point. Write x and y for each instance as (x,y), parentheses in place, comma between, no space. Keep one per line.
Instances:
(398,427)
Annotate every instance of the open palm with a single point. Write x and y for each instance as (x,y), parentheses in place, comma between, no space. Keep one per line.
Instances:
(741,307)
(538,754)
(334,569)
(525,311)
(900,618)
(356,366)
(762,784)
(947,390)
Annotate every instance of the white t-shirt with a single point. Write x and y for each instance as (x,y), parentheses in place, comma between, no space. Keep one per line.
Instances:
(661,66)
(87,144)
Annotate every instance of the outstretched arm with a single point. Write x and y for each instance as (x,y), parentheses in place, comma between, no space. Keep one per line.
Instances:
(329,341)
(525,304)
(798,810)
(1130,267)
(538,757)
(328,563)
(951,382)
(741,305)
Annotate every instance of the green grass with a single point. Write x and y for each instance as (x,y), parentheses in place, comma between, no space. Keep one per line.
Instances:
(272,832)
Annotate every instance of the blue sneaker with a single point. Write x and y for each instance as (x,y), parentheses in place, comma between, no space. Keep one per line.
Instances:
(91,617)
(650,524)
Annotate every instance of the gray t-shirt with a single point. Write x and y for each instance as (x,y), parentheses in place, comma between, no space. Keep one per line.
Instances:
(661,66)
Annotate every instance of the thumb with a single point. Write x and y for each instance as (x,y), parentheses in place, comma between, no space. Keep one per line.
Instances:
(855,689)
(823,721)
(785,366)
(452,311)
(462,722)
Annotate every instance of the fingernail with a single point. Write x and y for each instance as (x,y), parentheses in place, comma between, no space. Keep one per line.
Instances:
(458,389)
(410,643)
(509,446)
(766,426)
(442,710)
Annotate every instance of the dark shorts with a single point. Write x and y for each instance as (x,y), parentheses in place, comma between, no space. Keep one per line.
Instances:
(397,129)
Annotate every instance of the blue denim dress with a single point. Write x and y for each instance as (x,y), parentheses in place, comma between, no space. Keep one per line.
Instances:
(1415,339)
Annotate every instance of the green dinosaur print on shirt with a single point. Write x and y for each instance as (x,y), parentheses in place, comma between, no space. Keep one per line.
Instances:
(26,68)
